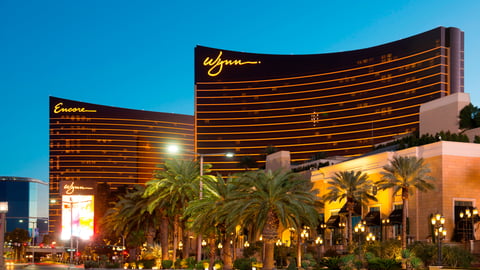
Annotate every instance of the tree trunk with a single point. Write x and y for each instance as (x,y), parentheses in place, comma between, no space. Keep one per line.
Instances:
(299,250)
(227,253)
(269,262)
(211,253)
(349,227)
(175,236)
(350,209)
(164,236)
(404,217)
(269,234)
(186,247)
(150,235)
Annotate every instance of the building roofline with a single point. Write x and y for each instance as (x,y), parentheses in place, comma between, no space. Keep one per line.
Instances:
(22,179)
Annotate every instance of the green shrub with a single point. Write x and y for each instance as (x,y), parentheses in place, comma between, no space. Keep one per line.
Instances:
(112,265)
(178,263)
(383,264)
(91,264)
(308,260)
(147,264)
(349,262)
(243,263)
(410,260)
(331,263)
(456,257)
(292,263)
(201,264)
(426,252)
(190,262)
(167,264)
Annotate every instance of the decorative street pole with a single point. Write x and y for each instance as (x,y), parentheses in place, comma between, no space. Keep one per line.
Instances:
(384,231)
(440,232)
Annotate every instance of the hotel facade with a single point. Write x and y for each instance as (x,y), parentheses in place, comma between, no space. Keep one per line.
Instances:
(338,104)
(96,150)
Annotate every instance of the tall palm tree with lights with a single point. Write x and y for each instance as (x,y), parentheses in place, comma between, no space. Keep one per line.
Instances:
(404,175)
(352,186)
(266,200)
(170,191)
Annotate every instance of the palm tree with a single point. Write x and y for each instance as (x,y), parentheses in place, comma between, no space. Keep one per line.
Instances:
(405,174)
(247,162)
(129,218)
(209,214)
(170,191)
(354,187)
(265,200)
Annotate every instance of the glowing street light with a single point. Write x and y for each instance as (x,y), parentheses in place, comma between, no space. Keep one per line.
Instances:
(438,222)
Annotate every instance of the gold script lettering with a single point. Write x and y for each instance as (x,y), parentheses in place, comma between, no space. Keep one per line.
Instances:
(216,66)
(60,109)
(69,189)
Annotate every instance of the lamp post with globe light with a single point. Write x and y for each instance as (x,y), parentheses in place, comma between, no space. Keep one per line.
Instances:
(440,233)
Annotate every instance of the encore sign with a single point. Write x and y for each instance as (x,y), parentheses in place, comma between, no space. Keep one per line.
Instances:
(60,109)
(216,65)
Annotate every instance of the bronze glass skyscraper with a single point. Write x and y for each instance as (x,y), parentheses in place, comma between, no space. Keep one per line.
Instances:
(337,103)
(93,145)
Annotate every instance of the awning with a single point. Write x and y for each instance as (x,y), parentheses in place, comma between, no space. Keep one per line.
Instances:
(372,218)
(396,216)
(357,209)
(333,221)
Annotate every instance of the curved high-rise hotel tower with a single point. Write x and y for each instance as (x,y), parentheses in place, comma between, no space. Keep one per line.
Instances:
(341,103)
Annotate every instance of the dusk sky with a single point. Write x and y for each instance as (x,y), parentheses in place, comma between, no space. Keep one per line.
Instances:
(139,54)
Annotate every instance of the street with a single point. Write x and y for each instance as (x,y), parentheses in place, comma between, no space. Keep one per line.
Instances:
(41,266)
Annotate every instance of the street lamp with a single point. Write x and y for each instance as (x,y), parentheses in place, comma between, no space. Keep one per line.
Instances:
(3,212)
(385,223)
(304,235)
(341,226)
(175,149)
(319,243)
(180,245)
(440,233)
(370,237)
(360,229)
(203,244)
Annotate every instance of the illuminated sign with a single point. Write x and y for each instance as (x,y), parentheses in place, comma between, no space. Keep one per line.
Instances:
(60,109)
(70,188)
(216,65)
(77,216)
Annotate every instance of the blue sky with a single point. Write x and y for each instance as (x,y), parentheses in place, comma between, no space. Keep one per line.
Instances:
(139,54)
